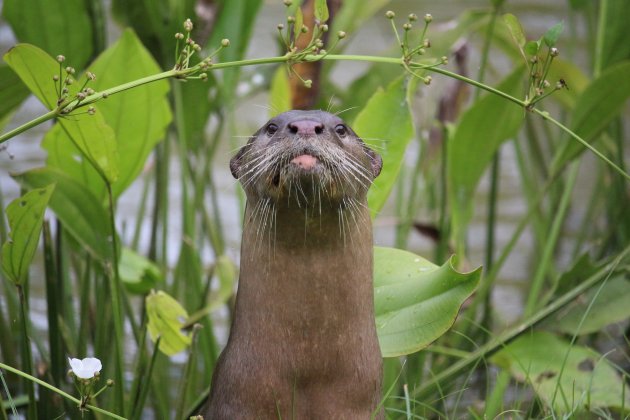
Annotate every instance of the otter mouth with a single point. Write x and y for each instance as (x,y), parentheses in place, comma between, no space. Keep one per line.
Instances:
(302,163)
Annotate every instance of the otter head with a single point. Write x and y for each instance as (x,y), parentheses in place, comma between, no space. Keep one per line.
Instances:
(309,155)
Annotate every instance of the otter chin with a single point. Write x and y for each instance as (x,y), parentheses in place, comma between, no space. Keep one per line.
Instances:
(303,341)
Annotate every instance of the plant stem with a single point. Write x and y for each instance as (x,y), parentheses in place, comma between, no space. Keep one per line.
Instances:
(27,354)
(58,391)
(114,284)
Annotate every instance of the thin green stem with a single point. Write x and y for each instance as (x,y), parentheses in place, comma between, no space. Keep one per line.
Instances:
(115,291)
(28,357)
(27,126)
(58,391)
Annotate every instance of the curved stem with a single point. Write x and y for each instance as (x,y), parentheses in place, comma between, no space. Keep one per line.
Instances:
(58,391)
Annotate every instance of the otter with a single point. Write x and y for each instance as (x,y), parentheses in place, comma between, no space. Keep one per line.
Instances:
(303,342)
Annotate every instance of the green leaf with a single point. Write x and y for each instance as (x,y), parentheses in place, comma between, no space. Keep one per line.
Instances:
(89,133)
(532,47)
(225,271)
(235,22)
(586,379)
(482,128)
(58,27)
(601,103)
(280,92)
(552,35)
(12,91)
(138,118)
(385,123)
(321,11)
(166,317)
(610,306)
(36,69)
(82,214)
(516,31)
(415,301)
(614,43)
(26,215)
(138,274)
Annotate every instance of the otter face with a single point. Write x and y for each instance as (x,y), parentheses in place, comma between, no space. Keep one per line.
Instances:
(307,154)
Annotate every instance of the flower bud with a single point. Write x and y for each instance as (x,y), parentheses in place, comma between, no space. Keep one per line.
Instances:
(196,47)
(91,110)
(304,29)
(554,52)
(69,81)
(546,84)
(90,75)
(323,27)
(412,17)
(421,51)
(308,83)
(70,70)
(407,26)
(280,26)
(56,78)
(319,43)
(188,25)
(444,59)
(110,382)
(534,59)
(203,76)
(426,43)
(105,95)
(179,35)
(225,42)
(291,19)
(390,15)
(288,3)
(427,80)
(428,18)
(341,34)
(323,52)
(61,58)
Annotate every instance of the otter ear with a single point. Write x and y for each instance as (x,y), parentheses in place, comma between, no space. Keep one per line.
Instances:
(375,159)
(235,162)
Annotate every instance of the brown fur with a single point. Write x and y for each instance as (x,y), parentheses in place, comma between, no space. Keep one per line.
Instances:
(303,342)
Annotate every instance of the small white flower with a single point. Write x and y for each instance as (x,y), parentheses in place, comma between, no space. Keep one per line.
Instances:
(86,368)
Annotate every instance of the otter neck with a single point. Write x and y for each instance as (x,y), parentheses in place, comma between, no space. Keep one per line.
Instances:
(316,263)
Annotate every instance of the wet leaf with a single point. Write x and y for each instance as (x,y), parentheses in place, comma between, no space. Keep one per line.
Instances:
(138,274)
(564,376)
(25,215)
(481,130)
(82,215)
(166,318)
(415,301)
(280,93)
(57,27)
(386,125)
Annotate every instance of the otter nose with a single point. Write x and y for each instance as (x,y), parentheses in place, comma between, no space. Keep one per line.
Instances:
(306,127)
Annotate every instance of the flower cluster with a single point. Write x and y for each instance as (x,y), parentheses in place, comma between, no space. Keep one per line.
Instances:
(64,80)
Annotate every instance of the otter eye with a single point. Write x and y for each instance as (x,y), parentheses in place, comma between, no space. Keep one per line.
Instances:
(271,129)
(341,130)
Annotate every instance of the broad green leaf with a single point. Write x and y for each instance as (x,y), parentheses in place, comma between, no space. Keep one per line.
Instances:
(138,274)
(280,93)
(586,379)
(598,105)
(321,11)
(552,35)
(57,27)
(610,306)
(166,318)
(415,301)
(138,117)
(516,31)
(89,133)
(82,214)
(235,21)
(482,128)
(156,22)
(36,69)
(386,125)
(614,46)
(225,272)
(26,215)
(12,91)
